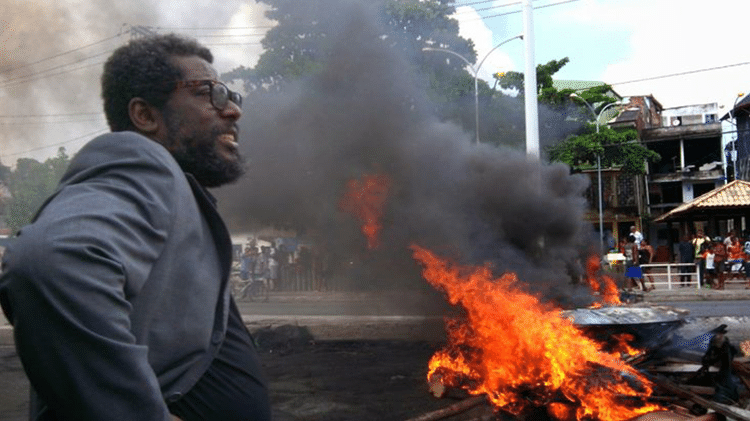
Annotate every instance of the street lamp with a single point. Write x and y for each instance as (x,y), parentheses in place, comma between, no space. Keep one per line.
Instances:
(475,70)
(597,117)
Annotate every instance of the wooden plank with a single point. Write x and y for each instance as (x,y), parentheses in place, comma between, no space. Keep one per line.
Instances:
(728,411)
(451,410)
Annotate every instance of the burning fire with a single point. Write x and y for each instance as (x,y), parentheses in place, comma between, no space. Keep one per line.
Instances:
(520,352)
(365,200)
(603,285)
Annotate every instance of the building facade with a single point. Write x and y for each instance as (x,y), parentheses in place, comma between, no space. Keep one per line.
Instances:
(689,141)
(741,146)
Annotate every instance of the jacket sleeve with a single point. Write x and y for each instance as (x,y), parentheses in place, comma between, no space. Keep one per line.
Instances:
(67,283)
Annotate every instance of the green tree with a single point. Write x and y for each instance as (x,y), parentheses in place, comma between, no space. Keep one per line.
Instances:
(617,148)
(515,80)
(301,44)
(30,184)
(4,173)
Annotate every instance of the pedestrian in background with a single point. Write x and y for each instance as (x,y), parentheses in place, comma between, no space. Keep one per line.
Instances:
(645,257)
(720,259)
(633,271)
(708,259)
(700,242)
(687,255)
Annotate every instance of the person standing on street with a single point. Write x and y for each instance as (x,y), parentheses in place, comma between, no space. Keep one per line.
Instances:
(720,258)
(687,255)
(646,257)
(700,242)
(637,236)
(633,271)
(129,317)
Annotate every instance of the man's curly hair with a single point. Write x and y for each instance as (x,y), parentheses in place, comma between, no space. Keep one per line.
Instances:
(144,68)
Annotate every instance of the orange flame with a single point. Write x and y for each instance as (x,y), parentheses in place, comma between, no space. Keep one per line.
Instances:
(365,200)
(601,284)
(520,351)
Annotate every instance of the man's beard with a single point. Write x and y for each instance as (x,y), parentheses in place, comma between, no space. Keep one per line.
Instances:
(204,163)
(199,157)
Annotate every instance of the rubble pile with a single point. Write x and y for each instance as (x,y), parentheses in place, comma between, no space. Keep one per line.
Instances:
(697,373)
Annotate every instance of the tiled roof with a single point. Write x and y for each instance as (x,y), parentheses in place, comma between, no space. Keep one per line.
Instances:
(733,195)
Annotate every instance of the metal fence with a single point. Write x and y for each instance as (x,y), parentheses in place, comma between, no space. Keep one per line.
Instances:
(672,275)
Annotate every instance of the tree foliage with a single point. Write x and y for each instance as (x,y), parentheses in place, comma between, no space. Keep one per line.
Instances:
(4,173)
(515,80)
(617,148)
(300,44)
(30,184)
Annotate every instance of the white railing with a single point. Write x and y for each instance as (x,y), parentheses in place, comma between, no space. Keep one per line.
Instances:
(668,274)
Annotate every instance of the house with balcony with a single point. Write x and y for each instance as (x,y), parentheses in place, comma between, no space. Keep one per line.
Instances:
(689,141)
(740,147)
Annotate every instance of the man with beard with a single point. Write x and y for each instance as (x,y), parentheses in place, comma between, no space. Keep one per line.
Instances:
(118,290)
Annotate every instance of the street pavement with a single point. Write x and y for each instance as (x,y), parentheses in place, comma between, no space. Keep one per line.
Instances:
(353,316)
(393,315)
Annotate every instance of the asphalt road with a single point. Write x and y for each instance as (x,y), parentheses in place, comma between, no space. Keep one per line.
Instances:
(402,315)
(385,306)
(728,308)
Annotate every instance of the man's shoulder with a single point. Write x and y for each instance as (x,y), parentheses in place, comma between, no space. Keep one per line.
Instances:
(120,149)
(125,144)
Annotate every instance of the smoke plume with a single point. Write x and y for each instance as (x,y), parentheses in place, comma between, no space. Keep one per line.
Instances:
(367,113)
(52,54)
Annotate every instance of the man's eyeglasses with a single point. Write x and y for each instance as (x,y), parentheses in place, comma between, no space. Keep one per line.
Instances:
(220,94)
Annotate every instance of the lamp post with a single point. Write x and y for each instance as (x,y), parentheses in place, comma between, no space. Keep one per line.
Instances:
(474,70)
(598,165)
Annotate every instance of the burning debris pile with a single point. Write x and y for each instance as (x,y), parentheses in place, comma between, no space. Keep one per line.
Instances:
(525,359)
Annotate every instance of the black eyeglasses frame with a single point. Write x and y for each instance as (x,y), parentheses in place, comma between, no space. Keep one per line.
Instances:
(219,100)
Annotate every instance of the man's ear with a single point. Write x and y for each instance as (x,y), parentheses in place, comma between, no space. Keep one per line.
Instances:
(145,117)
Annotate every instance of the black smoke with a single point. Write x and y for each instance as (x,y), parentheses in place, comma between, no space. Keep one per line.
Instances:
(367,113)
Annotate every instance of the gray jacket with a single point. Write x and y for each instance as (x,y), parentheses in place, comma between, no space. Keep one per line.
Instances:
(118,290)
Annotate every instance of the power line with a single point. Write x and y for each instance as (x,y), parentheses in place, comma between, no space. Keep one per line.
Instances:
(535,8)
(41,72)
(476,2)
(228,35)
(44,123)
(94,133)
(208,28)
(49,115)
(683,73)
(20,82)
(232,43)
(500,6)
(8,70)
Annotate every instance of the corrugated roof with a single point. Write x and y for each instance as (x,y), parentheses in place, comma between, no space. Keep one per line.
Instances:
(733,195)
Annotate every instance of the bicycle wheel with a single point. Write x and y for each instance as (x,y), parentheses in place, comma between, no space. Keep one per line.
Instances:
(240,289)
(259,291)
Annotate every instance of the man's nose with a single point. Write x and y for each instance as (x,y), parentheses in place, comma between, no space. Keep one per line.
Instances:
(232,110)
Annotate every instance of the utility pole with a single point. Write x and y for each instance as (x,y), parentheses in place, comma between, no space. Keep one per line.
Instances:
(530,92)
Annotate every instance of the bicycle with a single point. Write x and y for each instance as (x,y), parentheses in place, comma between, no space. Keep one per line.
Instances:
(250,289)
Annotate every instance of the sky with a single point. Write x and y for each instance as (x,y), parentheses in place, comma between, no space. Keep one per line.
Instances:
(51,55)
(619,42)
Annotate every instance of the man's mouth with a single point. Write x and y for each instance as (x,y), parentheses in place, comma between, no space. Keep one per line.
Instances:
(229,139)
